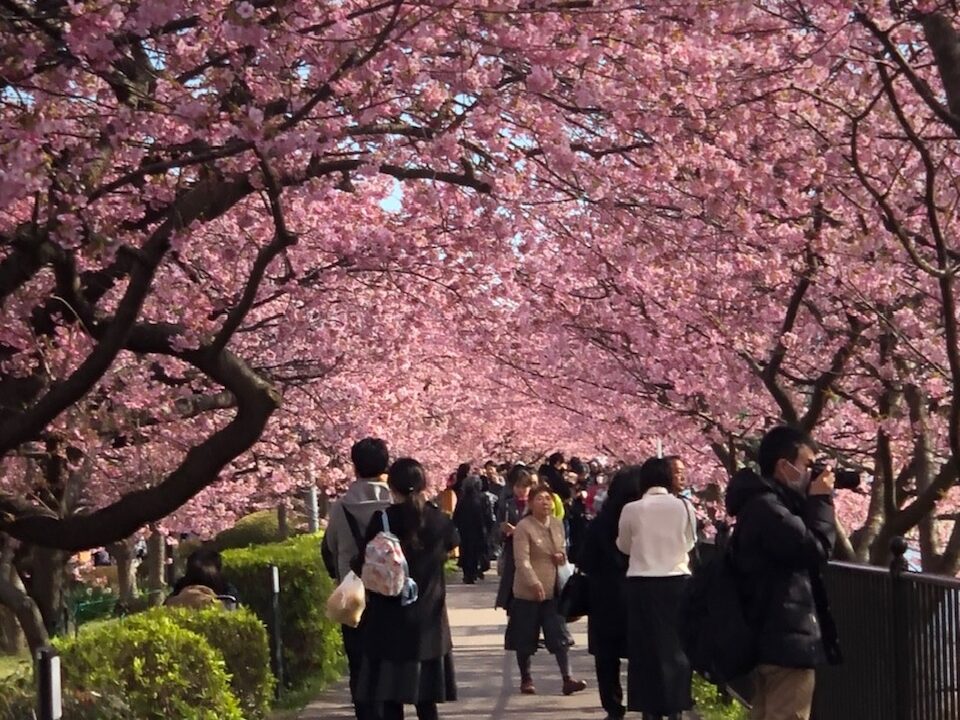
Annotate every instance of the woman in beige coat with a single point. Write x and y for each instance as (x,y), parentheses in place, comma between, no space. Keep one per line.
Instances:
(538,549)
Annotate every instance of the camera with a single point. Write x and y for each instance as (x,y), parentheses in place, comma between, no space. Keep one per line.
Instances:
(844,479)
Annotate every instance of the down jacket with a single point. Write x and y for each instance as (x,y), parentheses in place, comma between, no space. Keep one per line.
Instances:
(781,542)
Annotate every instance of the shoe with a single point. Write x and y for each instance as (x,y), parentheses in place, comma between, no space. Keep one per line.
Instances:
(527,687)
(571,686)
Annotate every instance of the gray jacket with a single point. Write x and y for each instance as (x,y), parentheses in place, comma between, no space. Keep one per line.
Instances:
(362,499)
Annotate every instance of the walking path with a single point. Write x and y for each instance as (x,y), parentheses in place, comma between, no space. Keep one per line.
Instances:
(487,675)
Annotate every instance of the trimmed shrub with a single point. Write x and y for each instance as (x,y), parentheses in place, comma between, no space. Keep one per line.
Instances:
(161,669)
(242,640)
(18,698)
(312,647)
(259,528)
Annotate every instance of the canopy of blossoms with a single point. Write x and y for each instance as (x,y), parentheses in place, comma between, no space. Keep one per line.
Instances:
(238,235)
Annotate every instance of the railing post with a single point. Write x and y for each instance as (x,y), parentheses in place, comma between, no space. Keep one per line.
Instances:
(901,631)
(49,699)
(277,629)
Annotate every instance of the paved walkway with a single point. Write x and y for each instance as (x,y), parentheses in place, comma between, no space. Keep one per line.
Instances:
(486,675)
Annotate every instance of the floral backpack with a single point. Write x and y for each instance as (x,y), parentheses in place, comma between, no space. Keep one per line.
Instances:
(385,569)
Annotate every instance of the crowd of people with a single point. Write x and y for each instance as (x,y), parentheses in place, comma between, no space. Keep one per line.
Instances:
(632,533)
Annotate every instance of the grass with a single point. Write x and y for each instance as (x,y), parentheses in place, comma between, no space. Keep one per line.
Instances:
(293,701)
(10,664)
(712,705)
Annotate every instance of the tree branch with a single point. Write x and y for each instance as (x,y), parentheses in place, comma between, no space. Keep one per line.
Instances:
(282,239)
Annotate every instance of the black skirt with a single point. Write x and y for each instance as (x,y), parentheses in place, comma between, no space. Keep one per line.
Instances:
(659,675)
(527,618)
(409,682)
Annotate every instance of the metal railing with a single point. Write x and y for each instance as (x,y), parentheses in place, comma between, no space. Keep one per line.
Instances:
(899,632)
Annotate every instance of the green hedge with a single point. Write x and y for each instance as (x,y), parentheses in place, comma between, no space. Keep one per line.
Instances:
(168,662)
(162,670)
(259,528)
(241,639)
(312,647)
(18,697)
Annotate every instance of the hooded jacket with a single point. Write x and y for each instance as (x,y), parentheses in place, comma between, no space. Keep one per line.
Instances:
(362,499)
(780,544)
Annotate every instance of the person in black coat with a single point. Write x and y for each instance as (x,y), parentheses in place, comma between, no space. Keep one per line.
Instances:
(511,512)
(785,532)
(606,567)
(407,650)
(551,473)
(475,520)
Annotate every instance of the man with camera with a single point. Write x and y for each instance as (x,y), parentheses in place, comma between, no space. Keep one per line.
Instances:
(785,531)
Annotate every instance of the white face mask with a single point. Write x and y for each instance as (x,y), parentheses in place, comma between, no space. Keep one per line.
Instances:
(801,481)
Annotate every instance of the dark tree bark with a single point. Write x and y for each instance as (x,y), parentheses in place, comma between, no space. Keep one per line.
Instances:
(124,553)
(156,564)
(14,598)
(47,585)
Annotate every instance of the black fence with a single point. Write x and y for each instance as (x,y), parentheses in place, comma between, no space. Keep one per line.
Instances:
(900,633)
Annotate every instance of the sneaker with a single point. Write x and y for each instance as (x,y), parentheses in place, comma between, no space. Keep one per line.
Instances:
(527,688)
(571,686)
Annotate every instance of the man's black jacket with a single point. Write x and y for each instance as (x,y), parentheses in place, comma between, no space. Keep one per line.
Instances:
(781,542)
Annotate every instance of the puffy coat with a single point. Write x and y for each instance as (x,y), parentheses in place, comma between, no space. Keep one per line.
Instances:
(781,542)
(196,597)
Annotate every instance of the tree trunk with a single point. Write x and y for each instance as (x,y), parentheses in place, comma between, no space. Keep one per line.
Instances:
(19,605)
(12,638)
(124,553)
(156,563)
(283,525)
(47,585)
(844,550)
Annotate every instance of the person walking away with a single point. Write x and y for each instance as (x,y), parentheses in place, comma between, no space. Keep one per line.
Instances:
(538,547)
(463,472)
(577,515)
(349,518)
(474,520)
(606,568)
(520,480)
(447,498)
(493,488)
(407,649)
(785,532)
(657,532)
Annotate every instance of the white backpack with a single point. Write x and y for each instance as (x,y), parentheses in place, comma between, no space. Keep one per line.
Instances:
(385,569)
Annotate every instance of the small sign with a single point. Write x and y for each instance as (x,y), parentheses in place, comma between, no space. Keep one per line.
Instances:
(276,579)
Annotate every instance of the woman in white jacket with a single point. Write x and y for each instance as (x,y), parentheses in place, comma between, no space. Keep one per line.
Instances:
(658,531)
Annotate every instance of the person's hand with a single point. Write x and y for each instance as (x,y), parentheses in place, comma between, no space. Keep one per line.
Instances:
(507,529)
(540,593)
(559,559)
(823,485)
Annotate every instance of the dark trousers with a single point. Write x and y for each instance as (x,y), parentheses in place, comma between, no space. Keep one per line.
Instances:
(353,648)
(608,683)
(425,711)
